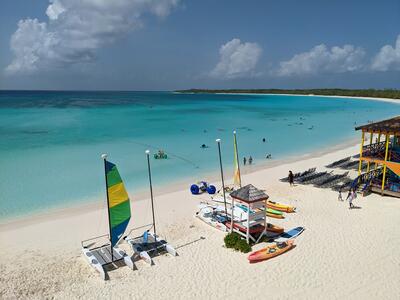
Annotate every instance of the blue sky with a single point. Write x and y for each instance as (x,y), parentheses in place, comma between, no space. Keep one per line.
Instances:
(176,44)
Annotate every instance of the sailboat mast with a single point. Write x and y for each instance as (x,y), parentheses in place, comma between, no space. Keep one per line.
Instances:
(222,175)
(151,194)
(104,157)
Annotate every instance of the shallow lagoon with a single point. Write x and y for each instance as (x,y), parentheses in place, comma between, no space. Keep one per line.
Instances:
(51,142)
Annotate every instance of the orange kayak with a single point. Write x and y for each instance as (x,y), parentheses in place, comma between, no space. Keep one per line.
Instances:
(274,228)
(275,216)
(270,251)
(280,206)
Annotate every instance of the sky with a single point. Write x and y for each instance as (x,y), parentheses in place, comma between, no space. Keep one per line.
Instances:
(181,44)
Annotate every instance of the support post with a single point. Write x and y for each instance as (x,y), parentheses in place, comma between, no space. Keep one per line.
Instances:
(384,166)
(370,144)
(151,194)
(248,224)
(361,152)
(222,178)
(104,157)
(232,213)
(379,140)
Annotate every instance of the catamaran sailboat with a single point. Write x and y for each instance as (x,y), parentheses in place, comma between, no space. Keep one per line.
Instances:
(149,243)
(119,214)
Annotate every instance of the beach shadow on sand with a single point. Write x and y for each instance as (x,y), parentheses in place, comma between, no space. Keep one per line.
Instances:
(190,243)
(356,207)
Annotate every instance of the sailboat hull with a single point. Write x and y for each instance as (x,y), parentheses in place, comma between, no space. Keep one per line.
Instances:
(94,263)
(100,257)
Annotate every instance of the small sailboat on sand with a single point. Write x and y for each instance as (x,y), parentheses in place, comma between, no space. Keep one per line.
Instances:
(119,214)
(149,244)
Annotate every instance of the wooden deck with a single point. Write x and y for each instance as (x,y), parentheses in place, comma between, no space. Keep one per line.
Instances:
(378,190)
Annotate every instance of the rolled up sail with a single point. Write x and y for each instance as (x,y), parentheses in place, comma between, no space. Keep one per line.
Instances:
(118,203)
(236,175)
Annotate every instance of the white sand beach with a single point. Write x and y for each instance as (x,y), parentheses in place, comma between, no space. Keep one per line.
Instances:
(343,253)
(124,124)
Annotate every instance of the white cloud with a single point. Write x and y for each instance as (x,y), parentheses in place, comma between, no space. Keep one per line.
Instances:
(321,59)
(388,58)
(75,29)
(237,60)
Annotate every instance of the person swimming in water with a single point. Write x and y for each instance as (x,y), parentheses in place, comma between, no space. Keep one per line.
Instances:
(204,146)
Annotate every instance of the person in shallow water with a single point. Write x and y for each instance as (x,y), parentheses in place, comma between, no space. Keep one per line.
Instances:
(203,146)
(264,140)
(291,178)
(250,160)
(244,160)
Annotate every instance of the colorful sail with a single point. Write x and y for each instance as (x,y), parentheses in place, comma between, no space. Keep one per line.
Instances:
(236,175)
(118,203)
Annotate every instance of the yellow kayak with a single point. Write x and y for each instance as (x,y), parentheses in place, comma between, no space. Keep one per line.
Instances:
(275,216)
(280,206)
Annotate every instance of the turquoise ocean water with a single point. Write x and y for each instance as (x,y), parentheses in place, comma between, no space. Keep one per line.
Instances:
(51,142)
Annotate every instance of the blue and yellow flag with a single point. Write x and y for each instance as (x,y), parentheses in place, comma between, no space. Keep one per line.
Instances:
(118,203)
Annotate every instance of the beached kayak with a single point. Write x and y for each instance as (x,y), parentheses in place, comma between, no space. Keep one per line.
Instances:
(290,235)
(280,206)
(275,216)
(274,228)
(274,211)
(270,251)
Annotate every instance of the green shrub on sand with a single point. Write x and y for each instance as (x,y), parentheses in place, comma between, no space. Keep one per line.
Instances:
(242,246)
(233,240)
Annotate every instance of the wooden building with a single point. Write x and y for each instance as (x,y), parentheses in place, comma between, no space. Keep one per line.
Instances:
(381,152)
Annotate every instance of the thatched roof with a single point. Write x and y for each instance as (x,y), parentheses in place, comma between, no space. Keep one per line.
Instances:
(386,126)
(249,194)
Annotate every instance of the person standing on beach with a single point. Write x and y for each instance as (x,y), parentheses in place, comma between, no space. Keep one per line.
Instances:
(354,196)
(291,178)
(244,160)
(350,198)
(250,160)
(340,198)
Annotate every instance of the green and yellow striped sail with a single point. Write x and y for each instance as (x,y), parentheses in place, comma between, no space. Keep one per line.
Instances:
(118,203)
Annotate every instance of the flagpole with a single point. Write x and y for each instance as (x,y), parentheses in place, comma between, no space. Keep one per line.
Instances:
(151,193)
(222,174)
(237,158)
(104,157)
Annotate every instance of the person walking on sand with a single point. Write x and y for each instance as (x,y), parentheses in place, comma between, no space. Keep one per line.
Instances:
(291,178)
(244,160)
(250,160)
(340,198)
(350,198)
(354,194)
